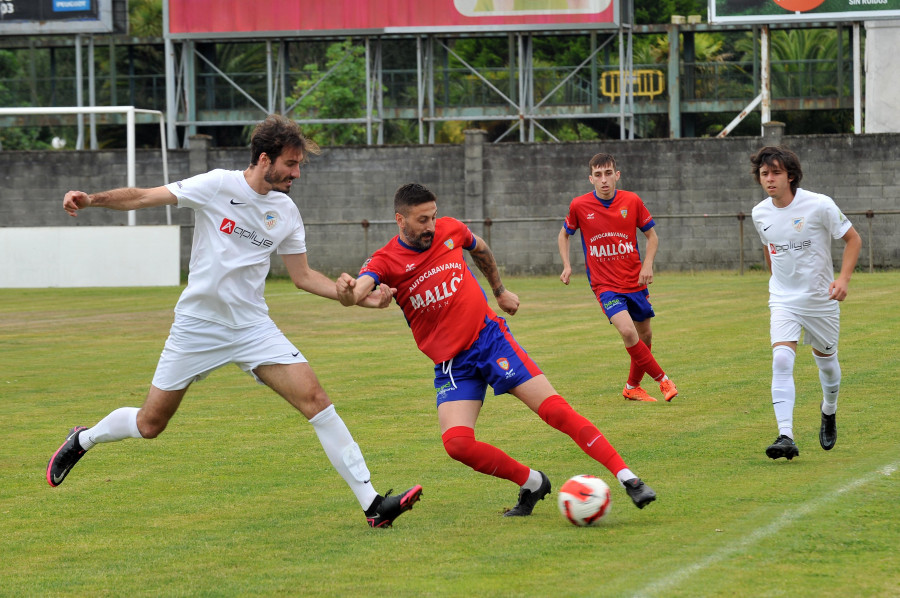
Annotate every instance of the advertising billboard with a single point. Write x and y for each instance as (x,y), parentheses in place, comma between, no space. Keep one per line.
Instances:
(792,11)
(208,18)
(43,17)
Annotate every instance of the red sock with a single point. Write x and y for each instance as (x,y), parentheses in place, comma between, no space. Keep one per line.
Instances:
(460,443)
(636,373)
(559,414)
(640,353)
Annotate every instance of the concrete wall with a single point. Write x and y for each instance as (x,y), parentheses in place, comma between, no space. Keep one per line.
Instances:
(694,188)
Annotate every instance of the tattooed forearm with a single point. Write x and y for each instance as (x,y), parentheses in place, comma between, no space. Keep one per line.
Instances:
(484,259)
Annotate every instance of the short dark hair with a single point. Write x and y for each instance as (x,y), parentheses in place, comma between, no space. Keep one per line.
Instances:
(276,133)
(601,159)
(411,194)
(772,155)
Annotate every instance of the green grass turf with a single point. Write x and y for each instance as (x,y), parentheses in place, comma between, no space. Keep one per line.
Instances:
(237,498)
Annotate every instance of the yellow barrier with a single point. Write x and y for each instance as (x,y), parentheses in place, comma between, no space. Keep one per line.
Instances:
(647,83)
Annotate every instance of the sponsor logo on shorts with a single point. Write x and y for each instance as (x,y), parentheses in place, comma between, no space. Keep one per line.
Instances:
(443,390)
(611,303)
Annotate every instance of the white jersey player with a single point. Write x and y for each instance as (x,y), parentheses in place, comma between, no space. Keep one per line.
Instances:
(797,227)
(241,219)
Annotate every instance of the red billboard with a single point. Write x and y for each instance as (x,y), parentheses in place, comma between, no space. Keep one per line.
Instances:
(203,18)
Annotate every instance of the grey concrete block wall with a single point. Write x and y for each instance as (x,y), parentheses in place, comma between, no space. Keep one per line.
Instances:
(694,188)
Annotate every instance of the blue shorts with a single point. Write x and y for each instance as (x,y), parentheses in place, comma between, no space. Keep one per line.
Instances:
(637,304)
(495,359)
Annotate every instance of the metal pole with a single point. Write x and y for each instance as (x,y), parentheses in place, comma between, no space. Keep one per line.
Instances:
(765,79)
(92,93)
(130,158)
(857,84)
(79,92)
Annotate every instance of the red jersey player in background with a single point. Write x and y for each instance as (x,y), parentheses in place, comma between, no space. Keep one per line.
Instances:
(471,346)
(608,219)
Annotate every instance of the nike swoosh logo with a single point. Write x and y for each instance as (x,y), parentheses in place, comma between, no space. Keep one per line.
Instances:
(295,354)
(59,478)
(594,440)
(237,203)
(766,228)
(829,348)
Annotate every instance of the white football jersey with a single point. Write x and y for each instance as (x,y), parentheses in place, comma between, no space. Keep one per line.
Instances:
(236,230)
(798,241)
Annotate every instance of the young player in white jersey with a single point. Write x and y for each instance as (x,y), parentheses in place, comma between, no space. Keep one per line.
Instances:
(796,227)
(241,219)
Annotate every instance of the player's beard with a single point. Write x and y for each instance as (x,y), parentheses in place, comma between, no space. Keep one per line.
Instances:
(282,184)
(421,241)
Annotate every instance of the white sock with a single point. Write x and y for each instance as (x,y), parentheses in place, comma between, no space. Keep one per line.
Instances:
(830,377)
(534,481)
(783,394)
(118,425)
(344,454)
(624,475)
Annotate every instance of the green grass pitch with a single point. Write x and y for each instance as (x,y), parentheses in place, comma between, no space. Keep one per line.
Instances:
(237,498)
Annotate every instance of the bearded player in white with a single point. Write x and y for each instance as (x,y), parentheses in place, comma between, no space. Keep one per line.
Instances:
(241,219)
(797,227)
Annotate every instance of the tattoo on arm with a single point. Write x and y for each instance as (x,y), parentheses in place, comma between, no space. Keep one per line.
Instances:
(485,261)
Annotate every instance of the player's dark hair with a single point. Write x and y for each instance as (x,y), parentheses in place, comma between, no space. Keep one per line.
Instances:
(601,159)
(411,194)
(276,133)
(772,156)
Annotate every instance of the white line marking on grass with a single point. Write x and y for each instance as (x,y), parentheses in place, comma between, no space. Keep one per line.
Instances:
(763,532)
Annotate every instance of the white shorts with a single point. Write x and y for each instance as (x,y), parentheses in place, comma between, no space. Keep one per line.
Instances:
(821,332)
(196,347)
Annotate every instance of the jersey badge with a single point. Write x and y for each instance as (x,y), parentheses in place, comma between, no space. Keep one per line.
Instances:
(410,267)
(271,220)
(797,223)
(503,363)
(227,226)
(449,243)
(590,216)
(624,213)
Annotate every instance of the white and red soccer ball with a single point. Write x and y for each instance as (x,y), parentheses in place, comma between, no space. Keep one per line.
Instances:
(584,500)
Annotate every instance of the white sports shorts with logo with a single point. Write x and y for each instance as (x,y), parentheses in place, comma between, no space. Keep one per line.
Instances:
(820,331)
(196,347)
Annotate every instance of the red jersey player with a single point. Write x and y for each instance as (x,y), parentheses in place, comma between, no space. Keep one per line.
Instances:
(608,219)
(471,346)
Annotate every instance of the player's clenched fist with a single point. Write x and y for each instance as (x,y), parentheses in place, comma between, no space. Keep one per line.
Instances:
(74,201)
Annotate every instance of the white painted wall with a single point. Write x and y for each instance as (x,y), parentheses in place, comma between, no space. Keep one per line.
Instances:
(89,256)
(882,83)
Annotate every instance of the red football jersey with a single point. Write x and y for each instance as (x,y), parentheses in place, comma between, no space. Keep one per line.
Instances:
(440,297)
(609,239)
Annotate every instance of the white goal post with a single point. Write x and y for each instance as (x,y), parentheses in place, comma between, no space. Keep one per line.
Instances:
(129,112)
(31,257)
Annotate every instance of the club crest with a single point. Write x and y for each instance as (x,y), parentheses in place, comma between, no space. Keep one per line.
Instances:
(624,213)
(797,223)
(503,363)
(449,243)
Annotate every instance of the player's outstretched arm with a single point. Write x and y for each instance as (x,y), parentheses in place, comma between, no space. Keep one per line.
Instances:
(126,198)
(362,291)
(484,259)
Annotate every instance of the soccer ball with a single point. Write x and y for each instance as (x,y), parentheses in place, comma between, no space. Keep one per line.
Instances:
(584,500)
